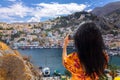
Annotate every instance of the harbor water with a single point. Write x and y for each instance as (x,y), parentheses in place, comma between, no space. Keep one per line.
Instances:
(52,58)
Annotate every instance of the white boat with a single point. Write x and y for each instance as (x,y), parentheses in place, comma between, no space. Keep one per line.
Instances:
(15,47)
(31,47)
(46,71)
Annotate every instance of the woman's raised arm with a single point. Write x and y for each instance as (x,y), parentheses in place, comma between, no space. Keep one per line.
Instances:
(65,44)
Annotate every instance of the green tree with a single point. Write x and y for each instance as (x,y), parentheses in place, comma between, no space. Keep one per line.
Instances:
(1,34)
(1,28)
(11,28)
(113,69)
(21,39)
(67,73)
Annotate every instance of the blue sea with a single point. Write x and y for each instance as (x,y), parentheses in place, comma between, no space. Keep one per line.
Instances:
(52,58)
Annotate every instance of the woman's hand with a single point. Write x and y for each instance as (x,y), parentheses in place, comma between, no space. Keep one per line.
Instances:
(65,44)
(66,41)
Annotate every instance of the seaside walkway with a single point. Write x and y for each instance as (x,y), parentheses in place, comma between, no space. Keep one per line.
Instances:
(51,78)
(55,78)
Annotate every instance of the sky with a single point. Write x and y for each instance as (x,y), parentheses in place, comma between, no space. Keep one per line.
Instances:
(12,11)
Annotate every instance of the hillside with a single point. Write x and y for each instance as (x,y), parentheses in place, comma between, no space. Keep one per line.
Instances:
(102,11)
(111,12)
(14,66)
(114,17)
(75,19)
(52,32)
(71,21)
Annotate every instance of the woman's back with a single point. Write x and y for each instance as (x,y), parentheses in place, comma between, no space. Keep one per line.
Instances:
(73,65)
(90,55)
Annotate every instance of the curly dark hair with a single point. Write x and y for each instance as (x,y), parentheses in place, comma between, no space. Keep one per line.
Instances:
(90,48)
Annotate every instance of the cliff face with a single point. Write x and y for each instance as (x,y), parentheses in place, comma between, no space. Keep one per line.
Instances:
(14,66)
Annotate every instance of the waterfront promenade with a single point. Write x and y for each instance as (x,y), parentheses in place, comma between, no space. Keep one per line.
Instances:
(56,78)
(51,78)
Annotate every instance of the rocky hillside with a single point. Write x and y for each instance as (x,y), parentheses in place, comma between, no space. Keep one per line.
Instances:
(63,22)
(13,66)
(111,12)
(102,11)
(114,17)
(75,19)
